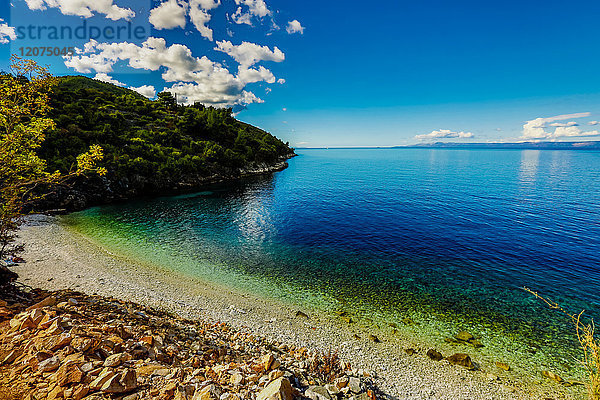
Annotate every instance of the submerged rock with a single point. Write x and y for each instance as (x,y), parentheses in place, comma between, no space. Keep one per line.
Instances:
(434,355)
(461,359)
(410,352)
(553,376)
(503,366)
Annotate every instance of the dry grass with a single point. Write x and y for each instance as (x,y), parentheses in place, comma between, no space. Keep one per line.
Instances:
(326,366)
(587,340)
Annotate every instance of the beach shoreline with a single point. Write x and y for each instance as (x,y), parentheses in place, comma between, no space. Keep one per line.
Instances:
(58,258)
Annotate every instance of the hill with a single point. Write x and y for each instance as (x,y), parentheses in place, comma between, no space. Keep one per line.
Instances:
(151,147)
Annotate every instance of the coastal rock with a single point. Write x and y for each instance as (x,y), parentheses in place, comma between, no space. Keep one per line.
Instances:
(49,364)
(279,389)
(354,385)
(317,393)
(434,355)
(116,359)
(461,359)
(68,373)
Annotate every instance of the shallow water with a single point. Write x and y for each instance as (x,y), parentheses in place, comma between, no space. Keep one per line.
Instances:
(447,238)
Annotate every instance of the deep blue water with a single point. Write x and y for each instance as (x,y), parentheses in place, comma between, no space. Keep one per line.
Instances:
(454,234)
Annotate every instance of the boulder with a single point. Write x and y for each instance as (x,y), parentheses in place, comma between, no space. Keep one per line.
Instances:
(68,373)
(317,393)
(279,389)
(49,364)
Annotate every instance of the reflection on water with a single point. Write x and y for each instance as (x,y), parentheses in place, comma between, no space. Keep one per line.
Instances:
(445,237)
(530,160)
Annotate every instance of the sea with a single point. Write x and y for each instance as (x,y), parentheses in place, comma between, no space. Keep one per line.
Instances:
(421,242)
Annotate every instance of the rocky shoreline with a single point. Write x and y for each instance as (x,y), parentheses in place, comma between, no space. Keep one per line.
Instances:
(92,191)
(402,367)
(72,346)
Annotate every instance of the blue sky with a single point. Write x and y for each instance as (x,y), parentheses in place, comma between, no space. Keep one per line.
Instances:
(356,74)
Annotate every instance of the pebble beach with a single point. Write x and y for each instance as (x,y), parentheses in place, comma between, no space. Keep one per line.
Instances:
(58,259)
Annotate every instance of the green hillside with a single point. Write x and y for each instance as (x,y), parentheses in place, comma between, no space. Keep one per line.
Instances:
(149,145)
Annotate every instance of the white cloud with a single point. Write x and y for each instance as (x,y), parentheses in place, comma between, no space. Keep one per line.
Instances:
(200,16)
(536,128)
(594,123)
(7,33)
(294,27)
(445,134)
(258,8)
(103,77)
(146,90)
(240,17)
(281,81)
(248,54)
(255,8)
(195,79)
(284,109)
(563,124)
(170,14)
(84,8)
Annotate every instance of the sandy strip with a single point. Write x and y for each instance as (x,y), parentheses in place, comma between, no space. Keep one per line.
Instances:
(58,258)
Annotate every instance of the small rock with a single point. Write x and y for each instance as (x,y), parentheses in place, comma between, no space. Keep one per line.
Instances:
(503,366)
(341,382)
(434,355)
(300,314)
(236,379)
(49,365)
(464,336)
(116,359)
(462,360)
(354,385)
(374,339)
(317,393)
(553,376)
(279,389)
(68,373)
(410,352)
(267,361)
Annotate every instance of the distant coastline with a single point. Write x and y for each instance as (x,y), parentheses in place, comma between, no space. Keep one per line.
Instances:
(590,145)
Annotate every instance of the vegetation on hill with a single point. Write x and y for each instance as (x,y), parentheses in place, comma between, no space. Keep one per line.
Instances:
(151,146)
(24,178)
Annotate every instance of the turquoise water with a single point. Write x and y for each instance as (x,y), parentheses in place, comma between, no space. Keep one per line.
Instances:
(447,238)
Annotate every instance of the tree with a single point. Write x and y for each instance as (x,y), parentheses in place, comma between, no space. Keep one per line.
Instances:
(24,107)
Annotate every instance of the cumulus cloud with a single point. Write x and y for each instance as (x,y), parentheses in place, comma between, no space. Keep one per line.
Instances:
(248,54)
(103,77)
(84,8)
(168,15)
(172,14)
(195,79)
(200,16)
(248,9)
(258,8)
(594,123)
(563,124)
(295,27)
(445,134)
(7,33)
(536,129)
(146,90)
